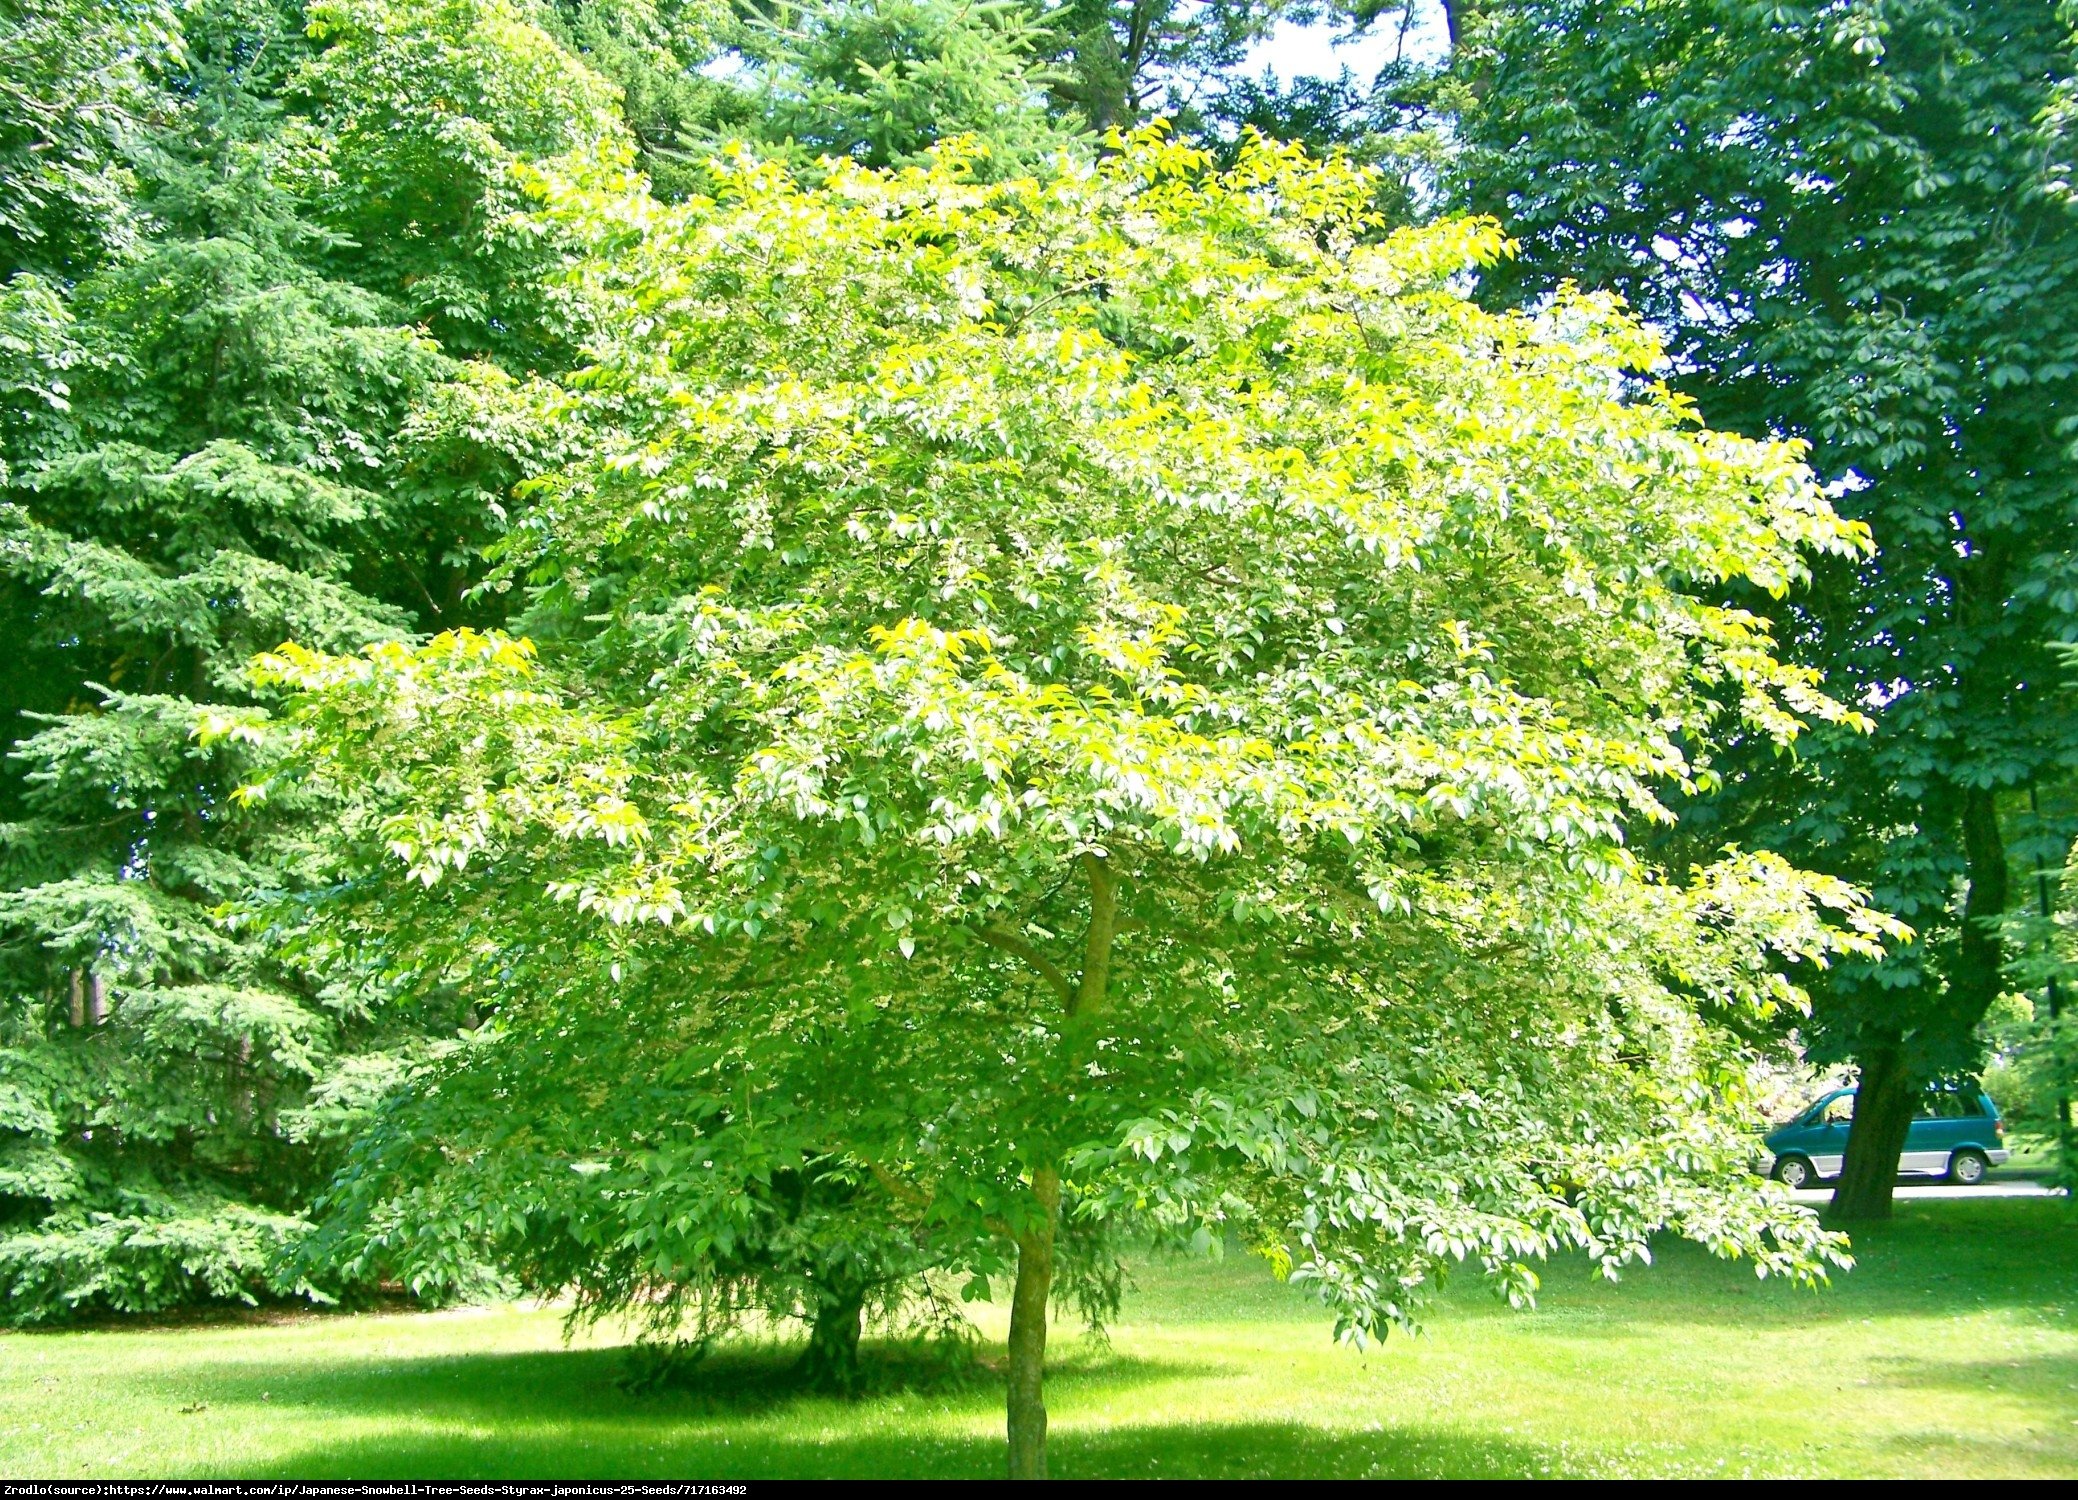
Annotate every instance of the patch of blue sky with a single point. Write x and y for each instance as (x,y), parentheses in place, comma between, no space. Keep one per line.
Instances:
(1324,49)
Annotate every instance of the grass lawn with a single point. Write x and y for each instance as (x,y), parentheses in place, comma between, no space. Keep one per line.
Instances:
(2034,1156)
(1951,1350)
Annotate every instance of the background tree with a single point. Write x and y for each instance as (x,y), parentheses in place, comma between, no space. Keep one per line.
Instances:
(243,433)
(1846,220)
(79,88)
(882,81)
(1127,716)
(657,53)
(877,81)
(1121,63)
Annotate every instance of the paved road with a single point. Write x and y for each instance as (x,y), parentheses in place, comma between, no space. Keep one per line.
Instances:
(2017,1188)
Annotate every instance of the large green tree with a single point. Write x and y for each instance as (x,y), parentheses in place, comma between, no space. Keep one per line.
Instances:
(1112,701)
(242,432)
(1852,224)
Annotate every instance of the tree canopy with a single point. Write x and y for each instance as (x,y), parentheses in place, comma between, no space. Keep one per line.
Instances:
(1854,226)
(1117,699)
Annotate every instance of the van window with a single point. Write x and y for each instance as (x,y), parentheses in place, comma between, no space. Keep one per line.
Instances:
(1949,1104)
(1839,1112)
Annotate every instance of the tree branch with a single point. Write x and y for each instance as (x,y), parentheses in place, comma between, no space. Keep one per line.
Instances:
(896,1188)
(915,1197)
(1017,947)
(1096,948)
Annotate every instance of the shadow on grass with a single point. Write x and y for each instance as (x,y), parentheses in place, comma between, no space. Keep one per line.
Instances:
(970,1450)
(2046,1377)
(738,1387)
(560,1414)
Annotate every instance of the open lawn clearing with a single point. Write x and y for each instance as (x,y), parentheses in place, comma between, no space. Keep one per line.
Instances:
(1952,1350)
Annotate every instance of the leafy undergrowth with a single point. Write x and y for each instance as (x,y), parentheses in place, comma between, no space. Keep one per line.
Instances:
(1952,1350)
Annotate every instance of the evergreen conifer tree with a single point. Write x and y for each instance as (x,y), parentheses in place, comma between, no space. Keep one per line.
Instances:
(250,424)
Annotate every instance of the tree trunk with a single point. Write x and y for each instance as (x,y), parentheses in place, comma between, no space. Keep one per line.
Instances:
(1882,1114)
(97,999)
(1978,975)
(76,1011)
(1081,1001)
(1028,1304)
(1884,1102)
(831,1361)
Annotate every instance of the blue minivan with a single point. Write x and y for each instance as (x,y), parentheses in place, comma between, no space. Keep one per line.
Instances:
(1957,1134)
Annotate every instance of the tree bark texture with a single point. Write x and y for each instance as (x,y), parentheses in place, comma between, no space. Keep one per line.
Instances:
(1890,1085)
(1882,1114)
(1028,1304)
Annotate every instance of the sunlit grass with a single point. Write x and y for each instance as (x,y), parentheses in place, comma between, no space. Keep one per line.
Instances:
(1952,1350)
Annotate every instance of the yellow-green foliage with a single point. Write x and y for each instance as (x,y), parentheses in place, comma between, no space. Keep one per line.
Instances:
(1133,675)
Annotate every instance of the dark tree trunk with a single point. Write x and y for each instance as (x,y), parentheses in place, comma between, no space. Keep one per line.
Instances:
(831,1361)
(1028,1304)
(1978,976)
(1888,1091)
(1882,1114)
(1457,14)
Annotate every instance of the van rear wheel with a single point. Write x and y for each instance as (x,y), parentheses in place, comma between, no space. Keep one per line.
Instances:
(1967,1167)
(1794,1172)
